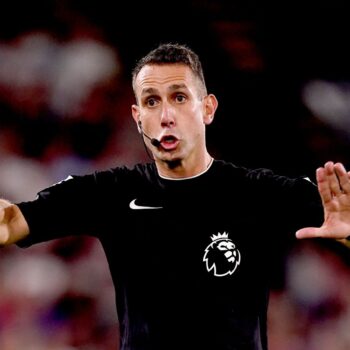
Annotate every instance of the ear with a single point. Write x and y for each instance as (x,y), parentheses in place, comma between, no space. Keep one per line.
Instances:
(210,106)
(135,110)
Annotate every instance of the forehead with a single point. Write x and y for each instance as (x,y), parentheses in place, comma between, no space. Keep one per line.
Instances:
(163,76)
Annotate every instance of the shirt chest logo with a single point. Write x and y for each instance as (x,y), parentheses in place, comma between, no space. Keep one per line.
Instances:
(135,206)
(221,256)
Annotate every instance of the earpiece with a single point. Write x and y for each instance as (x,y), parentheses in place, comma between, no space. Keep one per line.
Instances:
(139,126)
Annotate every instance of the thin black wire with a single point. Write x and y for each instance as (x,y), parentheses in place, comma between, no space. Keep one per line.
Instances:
(146,148)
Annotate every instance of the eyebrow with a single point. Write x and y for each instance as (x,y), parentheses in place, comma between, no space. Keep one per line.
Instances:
(175,87)
(153,91)
(149,91)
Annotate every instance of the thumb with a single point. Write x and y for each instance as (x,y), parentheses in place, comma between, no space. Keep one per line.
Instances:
(308,232)
(3,205)
(2,214)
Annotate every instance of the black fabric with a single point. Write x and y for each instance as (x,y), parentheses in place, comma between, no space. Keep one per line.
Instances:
(191,271)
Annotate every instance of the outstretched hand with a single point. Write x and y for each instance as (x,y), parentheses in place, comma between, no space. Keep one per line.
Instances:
(333,183)
(13,225)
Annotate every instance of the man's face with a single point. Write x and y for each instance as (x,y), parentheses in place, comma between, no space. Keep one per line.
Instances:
(227,247)
(172,108)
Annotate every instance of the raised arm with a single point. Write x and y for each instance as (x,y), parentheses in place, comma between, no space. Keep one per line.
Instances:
(13,225)
(333,183)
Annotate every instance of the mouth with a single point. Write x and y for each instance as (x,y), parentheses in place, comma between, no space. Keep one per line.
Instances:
(169,142)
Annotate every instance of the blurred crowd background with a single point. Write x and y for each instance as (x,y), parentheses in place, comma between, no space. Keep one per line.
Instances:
(281,74)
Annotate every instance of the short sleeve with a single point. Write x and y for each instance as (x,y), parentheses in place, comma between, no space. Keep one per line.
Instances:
(71,207)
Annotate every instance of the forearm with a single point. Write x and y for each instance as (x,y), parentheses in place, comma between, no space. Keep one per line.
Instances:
(13,225)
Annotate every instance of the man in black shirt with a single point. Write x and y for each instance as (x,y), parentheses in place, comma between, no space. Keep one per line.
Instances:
(186,236)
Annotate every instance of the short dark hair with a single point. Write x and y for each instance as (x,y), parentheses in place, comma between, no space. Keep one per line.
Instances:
(173,54)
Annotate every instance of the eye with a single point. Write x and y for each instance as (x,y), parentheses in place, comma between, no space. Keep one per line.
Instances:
(222,246)
(151,102)
(226,245)
(180,98)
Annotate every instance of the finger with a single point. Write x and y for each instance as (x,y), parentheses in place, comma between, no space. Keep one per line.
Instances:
(308,232)
(323,186)
(332,179)
(343,177)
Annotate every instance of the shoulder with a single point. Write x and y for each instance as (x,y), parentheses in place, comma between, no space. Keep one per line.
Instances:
(262,177)
(235,171)
(124,174)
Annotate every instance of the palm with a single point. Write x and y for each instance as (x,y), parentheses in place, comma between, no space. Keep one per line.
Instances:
(334,188)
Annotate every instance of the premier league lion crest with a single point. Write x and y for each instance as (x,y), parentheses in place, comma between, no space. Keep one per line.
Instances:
(221,255)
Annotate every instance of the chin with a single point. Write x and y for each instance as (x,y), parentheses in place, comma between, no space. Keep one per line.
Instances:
(171,160)
(174,163)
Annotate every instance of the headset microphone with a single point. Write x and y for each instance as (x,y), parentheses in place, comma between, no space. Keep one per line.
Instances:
(154,142)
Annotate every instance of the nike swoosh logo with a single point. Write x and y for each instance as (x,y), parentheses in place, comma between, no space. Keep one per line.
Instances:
(134,206)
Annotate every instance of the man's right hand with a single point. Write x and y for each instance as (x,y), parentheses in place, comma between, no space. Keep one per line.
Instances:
(13,225)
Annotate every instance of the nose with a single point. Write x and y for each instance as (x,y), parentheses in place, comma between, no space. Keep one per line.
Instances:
(167,116)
